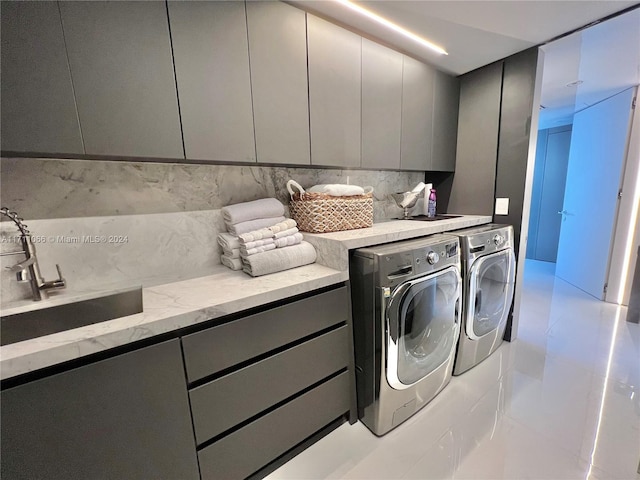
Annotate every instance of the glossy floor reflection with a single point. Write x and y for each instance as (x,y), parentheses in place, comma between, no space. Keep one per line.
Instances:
(561,402)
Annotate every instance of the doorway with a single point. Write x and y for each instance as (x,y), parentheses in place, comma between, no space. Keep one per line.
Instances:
(574,203)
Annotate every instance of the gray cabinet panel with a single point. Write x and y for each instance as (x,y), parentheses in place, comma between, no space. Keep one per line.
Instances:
(476,155)
(38,108)
(212,69)
(120,58)
(221,347)
(417,115)
(278,53)
(334,93)
(381,106)
(124,417)
(228,401)
(247,450)
(446,96)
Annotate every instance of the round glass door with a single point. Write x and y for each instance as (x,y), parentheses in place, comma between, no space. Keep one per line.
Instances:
(423,326)
(490,293)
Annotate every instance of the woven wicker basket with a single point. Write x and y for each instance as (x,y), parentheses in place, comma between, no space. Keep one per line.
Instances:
(322,213)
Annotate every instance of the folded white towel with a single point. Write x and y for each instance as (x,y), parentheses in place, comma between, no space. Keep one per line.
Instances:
(286,233)
(279,259)
(255,250)
(244,212)
(232,263)
(256,243)
(233,253)
(228,241)
(251,225)
(288,240)
(286,225)
(255,235)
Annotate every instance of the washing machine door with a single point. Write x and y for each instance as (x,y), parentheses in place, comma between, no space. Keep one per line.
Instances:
(422,326)
(491,284)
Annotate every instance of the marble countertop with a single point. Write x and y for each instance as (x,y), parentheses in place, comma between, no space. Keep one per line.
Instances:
(333,248)
(176,305)
(167,308)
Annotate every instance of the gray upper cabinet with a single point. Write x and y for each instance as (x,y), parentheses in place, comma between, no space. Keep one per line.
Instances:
(120,59)
(38,109)
(446,96)
(381,106)
(417,115)
(334,93)
(278,53)
(210,49)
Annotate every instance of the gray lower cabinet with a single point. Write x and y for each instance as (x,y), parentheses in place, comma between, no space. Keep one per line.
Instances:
(210,49)
(417,115)
(124,417)
(246,450)
(38,108)
(446,97)
(121,65)
(381,106)
(334,56)
(278,54)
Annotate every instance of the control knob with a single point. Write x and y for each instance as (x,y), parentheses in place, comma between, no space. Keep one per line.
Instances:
(433,258)
(498,239)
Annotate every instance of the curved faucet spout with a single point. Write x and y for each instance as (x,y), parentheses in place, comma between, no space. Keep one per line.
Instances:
(29,270)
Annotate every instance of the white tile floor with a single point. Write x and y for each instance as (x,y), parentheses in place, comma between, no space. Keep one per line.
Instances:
(561,402)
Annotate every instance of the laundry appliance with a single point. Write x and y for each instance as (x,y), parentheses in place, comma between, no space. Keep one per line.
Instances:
(488,275)
(406,307)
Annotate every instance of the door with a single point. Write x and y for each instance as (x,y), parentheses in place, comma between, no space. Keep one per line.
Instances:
(423,326)
(547,199)
(491,283)
(598,148)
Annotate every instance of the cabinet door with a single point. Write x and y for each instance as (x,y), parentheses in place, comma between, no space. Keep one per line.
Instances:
(38,108)
(446,97)
(124,417)
(120,59)
(417,115)
(334,93)
(212,70)
(381,106)
(278,53)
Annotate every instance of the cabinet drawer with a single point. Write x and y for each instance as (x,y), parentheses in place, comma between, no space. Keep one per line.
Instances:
(229,400)
(220,347)
(258,443)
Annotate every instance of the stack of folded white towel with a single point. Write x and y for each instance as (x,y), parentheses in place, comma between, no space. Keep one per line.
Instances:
(257,236)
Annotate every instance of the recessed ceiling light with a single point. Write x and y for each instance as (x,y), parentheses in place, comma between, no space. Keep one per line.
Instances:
(574,84)
(389,24)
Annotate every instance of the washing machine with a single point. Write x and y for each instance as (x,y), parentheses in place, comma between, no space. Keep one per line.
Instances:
(488,276)
(406,319)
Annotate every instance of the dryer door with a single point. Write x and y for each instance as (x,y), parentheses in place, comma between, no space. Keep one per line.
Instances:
(422,326)
(491,283)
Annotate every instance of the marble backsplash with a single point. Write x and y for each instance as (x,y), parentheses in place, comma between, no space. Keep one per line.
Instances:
(160,220)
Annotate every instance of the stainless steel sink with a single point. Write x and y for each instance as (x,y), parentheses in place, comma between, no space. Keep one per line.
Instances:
(57,318)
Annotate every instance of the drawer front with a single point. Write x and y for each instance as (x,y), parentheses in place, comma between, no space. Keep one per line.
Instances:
(258,443)
(229,400)
(220,347)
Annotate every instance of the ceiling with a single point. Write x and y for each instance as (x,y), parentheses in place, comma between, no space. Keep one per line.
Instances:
(606,56)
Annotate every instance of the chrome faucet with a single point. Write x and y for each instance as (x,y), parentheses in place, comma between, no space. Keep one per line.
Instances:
(28,270)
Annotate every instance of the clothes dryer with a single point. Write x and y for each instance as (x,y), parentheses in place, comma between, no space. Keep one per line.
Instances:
(406,303)
(488,275)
